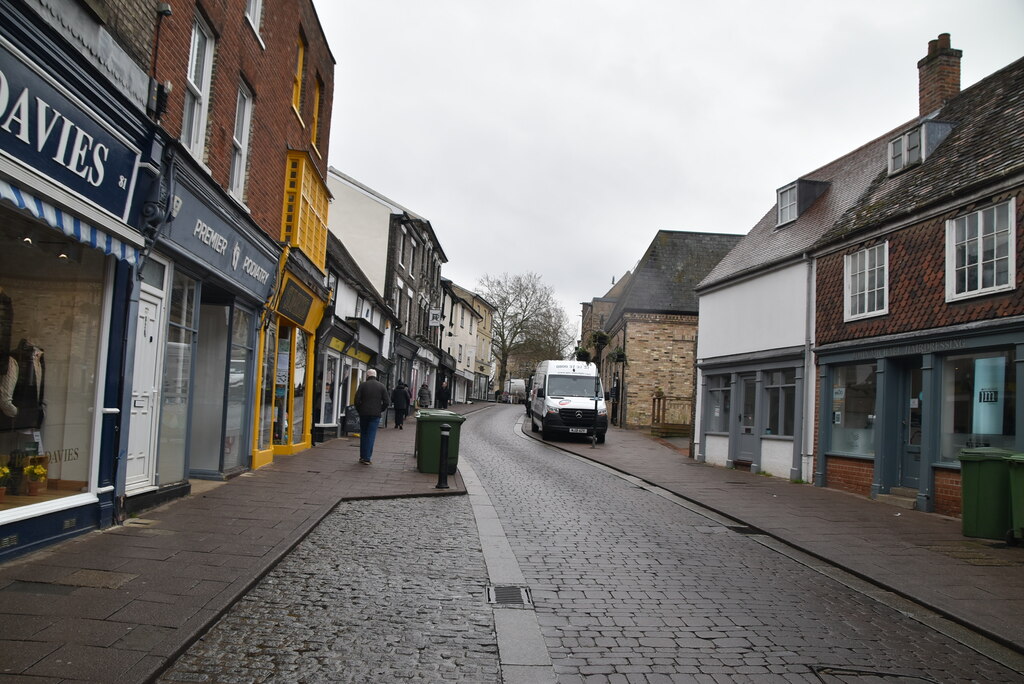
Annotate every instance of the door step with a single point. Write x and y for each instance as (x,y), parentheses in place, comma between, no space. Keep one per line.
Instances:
(901,497)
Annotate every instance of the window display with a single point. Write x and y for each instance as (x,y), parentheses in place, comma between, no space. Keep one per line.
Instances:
(979,405)
(719,406)
(51,303)
(853,410)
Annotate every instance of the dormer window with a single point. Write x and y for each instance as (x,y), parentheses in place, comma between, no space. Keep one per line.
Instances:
(905,150)
(795,198)
(787,204)
(914,146)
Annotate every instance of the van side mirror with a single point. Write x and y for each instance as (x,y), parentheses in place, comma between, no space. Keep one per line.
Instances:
(540,392)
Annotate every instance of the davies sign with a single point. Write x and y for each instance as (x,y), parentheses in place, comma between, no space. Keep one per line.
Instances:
(46,128)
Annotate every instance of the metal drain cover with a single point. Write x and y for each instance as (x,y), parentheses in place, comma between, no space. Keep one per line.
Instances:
(515,596)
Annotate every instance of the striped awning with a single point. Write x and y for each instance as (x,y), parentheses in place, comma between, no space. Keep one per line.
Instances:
(68,223)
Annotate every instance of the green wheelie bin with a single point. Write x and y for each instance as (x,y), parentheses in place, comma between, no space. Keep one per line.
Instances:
(985,492)
(1016,464)
(428,439)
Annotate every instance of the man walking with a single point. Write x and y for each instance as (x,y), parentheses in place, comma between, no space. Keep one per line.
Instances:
(400,400)
(371,400)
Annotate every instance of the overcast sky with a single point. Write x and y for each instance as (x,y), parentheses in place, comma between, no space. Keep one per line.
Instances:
(557,136)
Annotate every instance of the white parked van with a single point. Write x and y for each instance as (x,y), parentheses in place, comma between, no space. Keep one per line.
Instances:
(566,397)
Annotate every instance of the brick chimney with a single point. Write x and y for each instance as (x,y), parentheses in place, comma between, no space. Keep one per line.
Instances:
(938,75)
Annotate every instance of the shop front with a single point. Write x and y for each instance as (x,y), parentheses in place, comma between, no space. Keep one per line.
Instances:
(287,344)
(203,287)
(897,416)
(68,204)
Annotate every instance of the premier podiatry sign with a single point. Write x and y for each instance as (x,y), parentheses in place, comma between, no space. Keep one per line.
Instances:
(213,240)
(44,127)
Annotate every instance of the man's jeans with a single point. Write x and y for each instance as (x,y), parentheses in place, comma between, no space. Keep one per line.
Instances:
(367,435)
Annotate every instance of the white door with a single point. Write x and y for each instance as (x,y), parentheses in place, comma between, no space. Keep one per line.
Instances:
(145,408)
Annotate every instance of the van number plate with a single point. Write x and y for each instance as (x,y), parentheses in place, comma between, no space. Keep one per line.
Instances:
(582,431)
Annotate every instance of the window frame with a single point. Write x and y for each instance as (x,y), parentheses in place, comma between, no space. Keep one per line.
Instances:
(775,394)
(1010,255)
(786,211)
(238,167)
(848,283)
(198,94)
(903,155)
(298,77)
(718,385)
(254,13)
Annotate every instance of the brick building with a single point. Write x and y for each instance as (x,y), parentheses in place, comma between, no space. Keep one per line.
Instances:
(920,309)
(233,279)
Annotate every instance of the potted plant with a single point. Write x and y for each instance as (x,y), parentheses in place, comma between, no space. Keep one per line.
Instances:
(36,476)
(5,476)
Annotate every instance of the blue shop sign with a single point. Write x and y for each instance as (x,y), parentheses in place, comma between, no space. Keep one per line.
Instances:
(222,247)
(46,128)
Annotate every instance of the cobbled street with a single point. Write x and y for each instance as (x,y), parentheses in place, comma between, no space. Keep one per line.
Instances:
(381,591)
(628,588)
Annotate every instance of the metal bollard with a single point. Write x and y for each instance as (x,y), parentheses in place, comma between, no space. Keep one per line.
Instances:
(442,469)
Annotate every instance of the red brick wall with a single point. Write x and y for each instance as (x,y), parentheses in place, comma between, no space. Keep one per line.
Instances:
(849,475)
(917,290)
(948,497)
(266,68)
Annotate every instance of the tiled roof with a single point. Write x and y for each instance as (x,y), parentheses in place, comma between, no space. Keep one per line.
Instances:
(985,145)
(764,246)
(665,278)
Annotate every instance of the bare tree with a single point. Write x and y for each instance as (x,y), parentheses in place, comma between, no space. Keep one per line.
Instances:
(527,318)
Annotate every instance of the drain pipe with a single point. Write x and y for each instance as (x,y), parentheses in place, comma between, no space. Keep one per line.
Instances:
(804,377)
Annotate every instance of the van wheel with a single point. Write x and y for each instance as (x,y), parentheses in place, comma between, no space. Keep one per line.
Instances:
(533,425)
(600,438)
(545,434)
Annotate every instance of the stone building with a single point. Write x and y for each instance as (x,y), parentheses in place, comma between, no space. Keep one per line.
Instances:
(652,329)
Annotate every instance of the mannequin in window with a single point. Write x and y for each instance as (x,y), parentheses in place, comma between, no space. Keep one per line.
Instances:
(8,366)
(21,389)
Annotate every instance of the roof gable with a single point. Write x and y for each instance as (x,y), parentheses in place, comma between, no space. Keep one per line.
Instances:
(666,276)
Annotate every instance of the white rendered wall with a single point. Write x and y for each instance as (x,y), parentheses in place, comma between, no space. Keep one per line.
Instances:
(767,312)
(361,223)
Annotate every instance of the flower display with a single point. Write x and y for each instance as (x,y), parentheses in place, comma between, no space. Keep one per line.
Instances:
(35,473)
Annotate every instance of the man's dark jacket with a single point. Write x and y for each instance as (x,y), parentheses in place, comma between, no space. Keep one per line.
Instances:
(371,398)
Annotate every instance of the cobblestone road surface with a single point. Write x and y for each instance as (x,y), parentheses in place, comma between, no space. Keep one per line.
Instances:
(632,588)
(381,591)
(629,589)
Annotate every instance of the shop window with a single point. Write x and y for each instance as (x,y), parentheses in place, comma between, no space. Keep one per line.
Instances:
(299,389)
(853,410)
(177,383)
(329,390)
(267,435)
(719,403)
(236,444)
(780,395)
(51,308)
(979,402)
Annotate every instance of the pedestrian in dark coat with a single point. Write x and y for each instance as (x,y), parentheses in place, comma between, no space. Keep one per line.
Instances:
(371,401)
(444,395)
(400,400)
(424,396)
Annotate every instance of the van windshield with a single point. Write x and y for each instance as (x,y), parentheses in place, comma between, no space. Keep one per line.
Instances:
(573,386)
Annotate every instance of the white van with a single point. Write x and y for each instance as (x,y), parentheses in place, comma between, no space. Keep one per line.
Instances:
(564,396)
